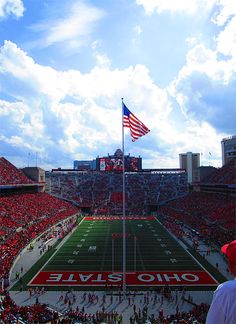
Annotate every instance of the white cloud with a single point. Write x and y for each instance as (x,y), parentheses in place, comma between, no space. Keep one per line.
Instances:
(63,113)
(204,60)
(226,40)
(227,10)
(11,7)
(207,65)
(102,59)
(185,6)
(37,78)
(21,127)
(70,111)
(205,86)
(74,27)
(71,114)
(21,117)
(191,41)
(207,60)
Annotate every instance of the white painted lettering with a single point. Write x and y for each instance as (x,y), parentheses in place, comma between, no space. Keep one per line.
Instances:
(84,278)
(159,278)
(115,277)
(55,277)
(190,277)
(70,279)
(148,278)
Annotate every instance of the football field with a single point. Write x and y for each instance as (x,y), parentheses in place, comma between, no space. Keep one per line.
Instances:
(93,256)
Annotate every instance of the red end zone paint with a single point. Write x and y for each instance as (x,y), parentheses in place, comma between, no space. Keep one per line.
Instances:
(89,218)
(149,278)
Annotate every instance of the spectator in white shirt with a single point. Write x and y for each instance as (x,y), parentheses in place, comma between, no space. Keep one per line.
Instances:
(223,306)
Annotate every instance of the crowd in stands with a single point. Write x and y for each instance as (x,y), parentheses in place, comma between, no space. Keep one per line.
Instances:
(37,313)
(9,174)
(39,212)
(210,214)
(197,315)
(9,311)
(140,309)
(224,175)
(96,190)
(75,316)
(23,217)
(41,313)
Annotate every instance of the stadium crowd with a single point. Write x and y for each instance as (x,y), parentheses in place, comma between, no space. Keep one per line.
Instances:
(12,313)
(224,175)
(101,192)
(141,311)
(210,214)
(9,174)
(25,216)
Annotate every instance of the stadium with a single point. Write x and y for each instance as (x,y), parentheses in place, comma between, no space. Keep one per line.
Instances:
(62,234)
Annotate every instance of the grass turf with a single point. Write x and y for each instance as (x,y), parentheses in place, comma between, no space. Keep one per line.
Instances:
(156,250)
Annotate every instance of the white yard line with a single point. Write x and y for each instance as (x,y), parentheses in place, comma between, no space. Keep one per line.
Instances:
(186,249)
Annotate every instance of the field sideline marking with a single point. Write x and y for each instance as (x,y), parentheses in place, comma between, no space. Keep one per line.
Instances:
(56,250)
(130,282)
(190,254)
(170,234)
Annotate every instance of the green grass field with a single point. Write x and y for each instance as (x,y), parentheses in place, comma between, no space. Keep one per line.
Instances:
(95,248)
(155,249)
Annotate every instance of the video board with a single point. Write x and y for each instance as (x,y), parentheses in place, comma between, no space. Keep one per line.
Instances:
(132,164)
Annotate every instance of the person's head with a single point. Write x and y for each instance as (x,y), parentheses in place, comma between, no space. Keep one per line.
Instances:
(230,251)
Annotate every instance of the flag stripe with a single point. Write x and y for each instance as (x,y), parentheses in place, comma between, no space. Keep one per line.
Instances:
(137,128)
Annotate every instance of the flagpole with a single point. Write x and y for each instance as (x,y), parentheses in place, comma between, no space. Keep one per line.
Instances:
(137,129)
(124,240)
(112,257)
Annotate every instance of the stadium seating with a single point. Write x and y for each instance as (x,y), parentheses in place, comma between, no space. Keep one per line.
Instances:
(23,217)
(224,175)
(9,174)
(210,214)
(11,313)
(101,192)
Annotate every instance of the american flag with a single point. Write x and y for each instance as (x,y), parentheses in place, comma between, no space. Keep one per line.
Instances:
(137,128)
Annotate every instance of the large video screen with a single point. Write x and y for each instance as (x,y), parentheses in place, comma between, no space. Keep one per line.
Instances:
(132,164)
(116,164)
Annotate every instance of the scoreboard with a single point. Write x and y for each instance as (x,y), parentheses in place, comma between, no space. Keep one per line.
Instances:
(115,163)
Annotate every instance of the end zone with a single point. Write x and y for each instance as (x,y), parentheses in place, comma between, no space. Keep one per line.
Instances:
(141,278)
(110,218)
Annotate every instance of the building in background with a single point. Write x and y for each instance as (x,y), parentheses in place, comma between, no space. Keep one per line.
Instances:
(38,175)
(190,162)
(85,165)
(228,147)
(35,173)
(115,162)
(201,173)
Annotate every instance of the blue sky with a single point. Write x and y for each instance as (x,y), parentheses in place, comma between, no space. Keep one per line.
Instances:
(64,66)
